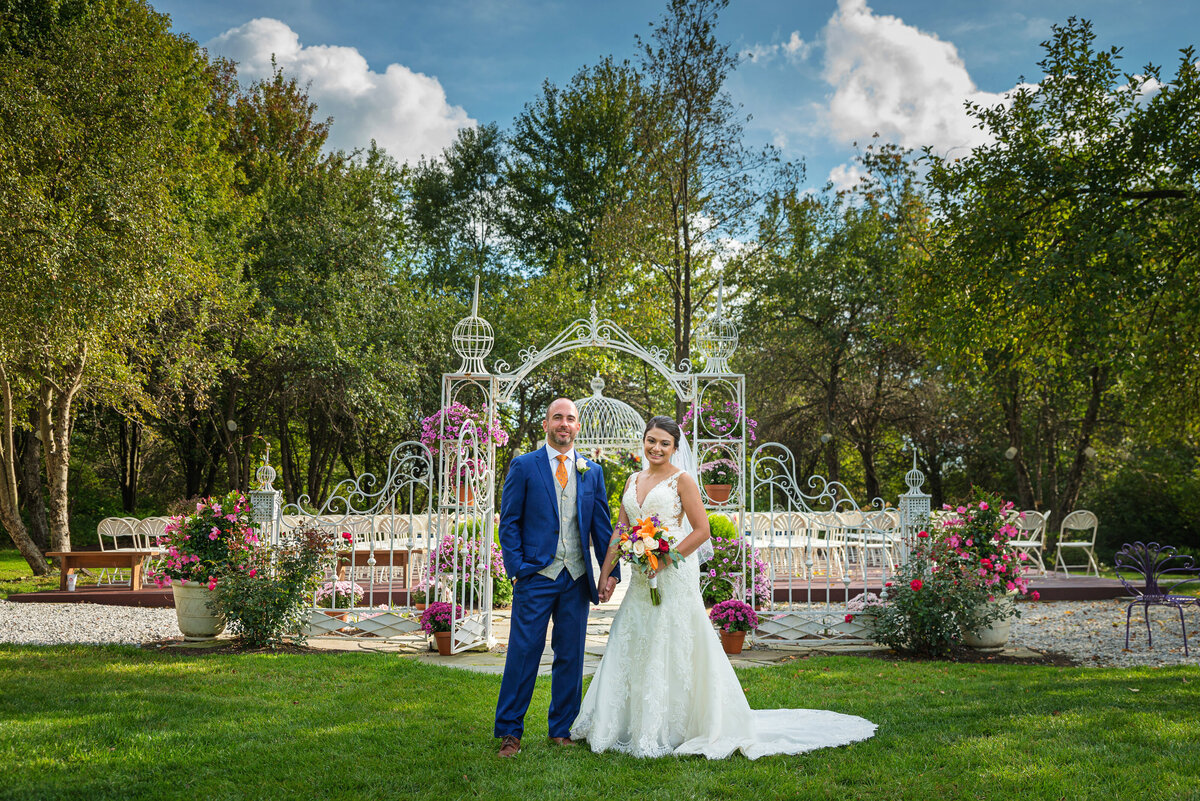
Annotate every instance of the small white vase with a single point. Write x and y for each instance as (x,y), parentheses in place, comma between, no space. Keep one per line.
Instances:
(994,636)
(196,621)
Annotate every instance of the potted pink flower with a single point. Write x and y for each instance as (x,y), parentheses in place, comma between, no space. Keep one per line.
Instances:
(436,619)
(734,618)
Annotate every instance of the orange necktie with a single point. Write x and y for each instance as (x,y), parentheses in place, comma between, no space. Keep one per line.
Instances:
(561,472)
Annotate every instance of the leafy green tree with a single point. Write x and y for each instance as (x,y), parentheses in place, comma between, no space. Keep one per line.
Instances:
(1066,273)
(116,196)
(699,186)
(818,324)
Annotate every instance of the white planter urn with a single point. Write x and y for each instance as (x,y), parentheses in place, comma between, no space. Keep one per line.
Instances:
(995,636)
(196,621)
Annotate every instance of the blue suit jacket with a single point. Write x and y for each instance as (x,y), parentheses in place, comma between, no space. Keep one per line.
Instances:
(529,516)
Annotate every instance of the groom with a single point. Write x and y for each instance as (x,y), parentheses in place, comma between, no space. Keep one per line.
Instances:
(554,505)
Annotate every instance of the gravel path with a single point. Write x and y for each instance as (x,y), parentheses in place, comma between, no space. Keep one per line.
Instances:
(1092,632)
(56,624)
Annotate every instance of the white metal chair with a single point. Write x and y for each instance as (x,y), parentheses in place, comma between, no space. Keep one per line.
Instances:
(1073,535)
(116,534)
(1031,535)
(149,530)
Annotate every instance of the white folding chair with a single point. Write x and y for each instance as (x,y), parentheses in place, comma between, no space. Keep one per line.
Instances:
(1031,535)
(116,534)
(1072,534)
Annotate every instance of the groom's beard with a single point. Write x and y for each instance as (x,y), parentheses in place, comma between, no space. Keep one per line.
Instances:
(562,439)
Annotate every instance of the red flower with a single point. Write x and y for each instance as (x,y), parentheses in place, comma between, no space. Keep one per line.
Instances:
(1036,595)
(849,618)
(916,584)
(922,534)
(346,535)
(664,546)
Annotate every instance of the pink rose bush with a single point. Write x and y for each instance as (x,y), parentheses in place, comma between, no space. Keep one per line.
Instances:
(953,571)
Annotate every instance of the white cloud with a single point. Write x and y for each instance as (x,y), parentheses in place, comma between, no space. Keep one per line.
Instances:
(795,50)
(406,112)
(845,176)
(891,78)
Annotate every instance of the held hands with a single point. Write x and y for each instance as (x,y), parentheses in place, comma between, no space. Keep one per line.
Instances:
(606,591)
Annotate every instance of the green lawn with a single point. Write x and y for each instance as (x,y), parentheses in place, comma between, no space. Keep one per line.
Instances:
(97,723)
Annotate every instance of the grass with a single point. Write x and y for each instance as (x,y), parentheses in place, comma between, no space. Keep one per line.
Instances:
(101,723)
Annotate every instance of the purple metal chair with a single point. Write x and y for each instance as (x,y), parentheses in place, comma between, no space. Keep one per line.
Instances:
(1157,563)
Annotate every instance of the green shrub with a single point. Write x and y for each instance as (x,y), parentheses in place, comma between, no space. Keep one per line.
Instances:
(267,597)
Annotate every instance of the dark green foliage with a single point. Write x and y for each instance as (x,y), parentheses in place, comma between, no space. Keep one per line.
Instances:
(267,598)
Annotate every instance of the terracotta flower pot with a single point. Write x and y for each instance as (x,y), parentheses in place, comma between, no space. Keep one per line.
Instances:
(443,642)
(732,641)
(465,494)
(718,493)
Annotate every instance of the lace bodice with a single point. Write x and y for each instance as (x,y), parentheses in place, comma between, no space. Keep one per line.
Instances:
(662,500)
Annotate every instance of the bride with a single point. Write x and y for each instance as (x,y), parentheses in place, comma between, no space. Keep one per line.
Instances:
(664,686)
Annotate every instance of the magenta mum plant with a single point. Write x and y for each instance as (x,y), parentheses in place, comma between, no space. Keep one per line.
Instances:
(734,615)
(720,420)
(445,425)
(437,616)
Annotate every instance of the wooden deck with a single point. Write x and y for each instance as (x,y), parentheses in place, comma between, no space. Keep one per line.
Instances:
(1051,588)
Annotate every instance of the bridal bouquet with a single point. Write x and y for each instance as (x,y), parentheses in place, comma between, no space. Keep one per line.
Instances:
(641,547)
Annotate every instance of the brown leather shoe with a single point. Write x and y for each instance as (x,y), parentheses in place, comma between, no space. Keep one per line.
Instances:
(510,746)
(565,741)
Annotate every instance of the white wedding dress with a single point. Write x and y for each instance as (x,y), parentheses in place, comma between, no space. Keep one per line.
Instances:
(665,686)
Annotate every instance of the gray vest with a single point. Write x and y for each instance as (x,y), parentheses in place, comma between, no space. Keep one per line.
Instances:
(569,553)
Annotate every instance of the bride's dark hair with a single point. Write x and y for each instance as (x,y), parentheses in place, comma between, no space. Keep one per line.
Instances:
(666,424)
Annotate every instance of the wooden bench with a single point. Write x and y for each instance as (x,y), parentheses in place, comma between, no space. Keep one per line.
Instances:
(133,559)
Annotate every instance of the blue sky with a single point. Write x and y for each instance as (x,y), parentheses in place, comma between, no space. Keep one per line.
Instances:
(818,75)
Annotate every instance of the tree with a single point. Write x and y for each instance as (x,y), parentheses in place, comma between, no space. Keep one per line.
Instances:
(116,196)
(822,312)
(1065,268)
(700,187)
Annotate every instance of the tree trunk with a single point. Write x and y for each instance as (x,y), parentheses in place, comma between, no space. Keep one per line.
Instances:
(33,492)
(1010,403)
(10,515)
(55,420)
(1070,494)
(129,444)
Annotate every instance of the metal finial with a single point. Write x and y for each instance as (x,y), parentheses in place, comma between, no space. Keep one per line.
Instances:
(475,299)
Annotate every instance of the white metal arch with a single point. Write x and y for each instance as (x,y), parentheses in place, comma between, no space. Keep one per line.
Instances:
(593,333)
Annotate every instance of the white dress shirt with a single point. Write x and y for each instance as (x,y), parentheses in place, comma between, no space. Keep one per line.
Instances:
(553,455)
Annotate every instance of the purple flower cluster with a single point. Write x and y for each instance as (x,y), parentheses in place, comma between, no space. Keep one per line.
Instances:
(720,471)
(437,616)
(467,550)
(198,547)
(445,425)
(338,594)
(722,420)
(726,566)
(734,615)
